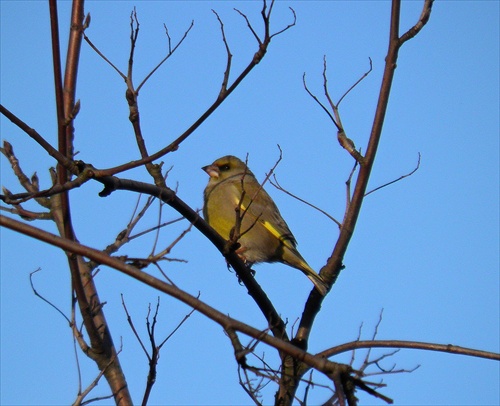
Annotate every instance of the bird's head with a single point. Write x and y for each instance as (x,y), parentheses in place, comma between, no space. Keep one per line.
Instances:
(226,167)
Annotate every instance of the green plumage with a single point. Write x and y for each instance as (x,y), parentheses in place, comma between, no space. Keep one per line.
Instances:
(265,236)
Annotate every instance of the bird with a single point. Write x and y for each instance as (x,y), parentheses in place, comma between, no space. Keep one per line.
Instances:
(263,234)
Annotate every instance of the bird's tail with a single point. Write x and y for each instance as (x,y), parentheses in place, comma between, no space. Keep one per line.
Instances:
(292,257)
(319,283)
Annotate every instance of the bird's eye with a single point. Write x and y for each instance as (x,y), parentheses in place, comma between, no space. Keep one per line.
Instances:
(224,167)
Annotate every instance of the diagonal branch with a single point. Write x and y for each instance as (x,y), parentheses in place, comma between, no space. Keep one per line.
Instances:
(225,321)
(424,18)
(169,54)
(53,152)
(168,196)
(332,269)
(265,40)
(398,179)
(281,188)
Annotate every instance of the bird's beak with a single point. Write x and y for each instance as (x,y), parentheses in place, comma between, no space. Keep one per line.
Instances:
(212,171)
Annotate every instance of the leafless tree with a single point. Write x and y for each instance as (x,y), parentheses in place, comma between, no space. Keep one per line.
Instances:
(94,336)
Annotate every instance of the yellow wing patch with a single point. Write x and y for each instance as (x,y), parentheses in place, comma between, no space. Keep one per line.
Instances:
(269,227)
(283,238)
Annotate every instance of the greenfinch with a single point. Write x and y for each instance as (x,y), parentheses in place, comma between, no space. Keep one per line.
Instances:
(263,234)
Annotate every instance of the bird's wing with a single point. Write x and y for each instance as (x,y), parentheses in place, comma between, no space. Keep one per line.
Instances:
(258,204)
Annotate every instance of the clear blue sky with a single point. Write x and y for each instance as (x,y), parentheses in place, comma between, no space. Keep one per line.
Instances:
(425,249)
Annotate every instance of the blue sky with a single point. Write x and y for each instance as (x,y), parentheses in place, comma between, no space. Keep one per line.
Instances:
(425,249)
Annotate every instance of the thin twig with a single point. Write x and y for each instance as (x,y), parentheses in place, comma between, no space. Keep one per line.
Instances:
(94,383)
(131,324)
(277,185)
(134,34)
(357,82)
(288,26)
(348,185)
(225,79)
(398,179)
(98,52)
(46,300)
(186,317)
(169,54)
(315,98)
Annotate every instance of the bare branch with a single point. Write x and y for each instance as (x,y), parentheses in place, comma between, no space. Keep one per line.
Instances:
(93,384)
(281,188)
(98,52)
(416,345)
(132,326)
(134,34)
(60,158)
(169,54)
(225,80)
(27,215)
(186,317)
(289,25)
(315,98)
(53,191)
(321,364)
(334,266)
(348,185)
(398,179)
(249,26)
(356,83)
(424,18)
(45,300)
(168,249)
(174,145)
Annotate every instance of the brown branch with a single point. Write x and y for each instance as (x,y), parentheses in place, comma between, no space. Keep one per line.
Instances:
(58,85)
(174,145)
(56,189)
(32,185)
(398,179)
(155,349)
(98,52)
(344,141)
(315,98)
(149,230)
(225,79)
(81,396)
(332,269)
(375,332)
(225,321)
(102,351)
(134,34)
(348,185)
(288,26)
(35,292)
(27,215)
(169,54)
(334,265)
(424,18)
(281,188)
(124,236)
(355,84)
(416,345)
(71,73)
(59,157)
(169,248)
